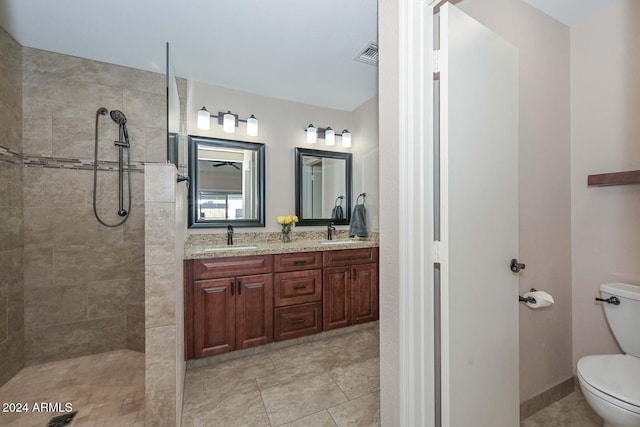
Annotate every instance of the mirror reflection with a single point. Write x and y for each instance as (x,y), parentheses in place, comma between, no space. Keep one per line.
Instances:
(323,187)
(227,183)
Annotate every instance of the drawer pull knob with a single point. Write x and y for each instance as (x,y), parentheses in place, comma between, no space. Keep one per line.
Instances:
(297,321)
(299,262)
(297,287)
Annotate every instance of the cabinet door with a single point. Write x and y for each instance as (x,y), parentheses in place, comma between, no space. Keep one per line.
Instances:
(364,293)
(254,310)
(213,317)
(336,295)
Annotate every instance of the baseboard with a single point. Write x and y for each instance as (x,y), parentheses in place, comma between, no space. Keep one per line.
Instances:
(546,398)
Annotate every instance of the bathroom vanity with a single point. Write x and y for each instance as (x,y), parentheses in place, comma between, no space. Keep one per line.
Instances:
(276,292)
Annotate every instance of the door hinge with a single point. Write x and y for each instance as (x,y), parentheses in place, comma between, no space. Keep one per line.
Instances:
(436,62)
(436,252)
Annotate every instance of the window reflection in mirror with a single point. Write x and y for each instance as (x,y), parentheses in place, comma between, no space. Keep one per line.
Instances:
(227,183)
(323,187)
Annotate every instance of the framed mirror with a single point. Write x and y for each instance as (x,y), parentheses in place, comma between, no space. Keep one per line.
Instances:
(323,187)
(227,183)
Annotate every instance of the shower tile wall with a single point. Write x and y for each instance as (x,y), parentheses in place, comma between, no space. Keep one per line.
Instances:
(82,280)
(11,213)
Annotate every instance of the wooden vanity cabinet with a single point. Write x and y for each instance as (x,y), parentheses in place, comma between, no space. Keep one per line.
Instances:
(297,295)
(228,313)
(350,288)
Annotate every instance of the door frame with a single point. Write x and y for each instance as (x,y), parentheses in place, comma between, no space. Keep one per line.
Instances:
(416,251)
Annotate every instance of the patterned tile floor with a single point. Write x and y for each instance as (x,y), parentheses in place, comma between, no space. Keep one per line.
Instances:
(106,389)
(571,411)
(334,382)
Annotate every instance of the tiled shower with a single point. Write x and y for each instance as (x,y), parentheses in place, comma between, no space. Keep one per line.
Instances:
(68,285)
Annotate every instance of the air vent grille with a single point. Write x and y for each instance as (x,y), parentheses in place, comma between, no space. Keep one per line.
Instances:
(368,54)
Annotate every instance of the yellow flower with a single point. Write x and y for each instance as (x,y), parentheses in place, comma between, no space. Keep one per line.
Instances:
(288,219)
(280,220)
(295,218)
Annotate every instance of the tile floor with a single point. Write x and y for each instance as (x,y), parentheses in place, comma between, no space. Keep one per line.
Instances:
(571,411)
(106,389)
(334,382)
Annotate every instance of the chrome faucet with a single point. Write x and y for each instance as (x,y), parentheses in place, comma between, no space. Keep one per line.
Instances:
(229,235)
(330,230)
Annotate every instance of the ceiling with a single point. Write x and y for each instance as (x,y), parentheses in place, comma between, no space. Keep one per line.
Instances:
(291,49)
(299,50)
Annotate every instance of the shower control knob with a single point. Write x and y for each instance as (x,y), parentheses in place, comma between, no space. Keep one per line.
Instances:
(122,212)
(515,266)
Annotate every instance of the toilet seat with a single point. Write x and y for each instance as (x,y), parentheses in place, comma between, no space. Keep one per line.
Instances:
(614,378)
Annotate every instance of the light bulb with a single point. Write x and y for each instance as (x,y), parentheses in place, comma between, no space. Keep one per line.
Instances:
(312,134)
(204,119)
(252,126)
(229,122)
(330,136)
(346,139)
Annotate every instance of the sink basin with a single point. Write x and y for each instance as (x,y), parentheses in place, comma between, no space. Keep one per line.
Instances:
(337,242)
(231,248)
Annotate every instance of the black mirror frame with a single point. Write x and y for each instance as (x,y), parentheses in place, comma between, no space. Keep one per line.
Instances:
(194,219)
(299,153)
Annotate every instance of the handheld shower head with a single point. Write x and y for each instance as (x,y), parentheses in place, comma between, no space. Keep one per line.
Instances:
(118,117)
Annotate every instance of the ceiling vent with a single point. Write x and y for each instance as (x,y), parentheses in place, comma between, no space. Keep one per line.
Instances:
(368,54)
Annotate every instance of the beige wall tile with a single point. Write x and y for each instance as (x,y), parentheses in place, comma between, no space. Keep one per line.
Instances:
(83,263)
(159,224)
(156,145)
(74,339)
(125,77)
(160,358)
(48,188)
(154,176)
(11,53)
(12,360)
(37,135)
(134,227)
(76,225)
(11,121)
(38,267)
(135,333)
(43,67)
(11,232)
(107,298)
(145,109)
(37,227)
(160,253)
(160,408)
(4,316)
(160,295)
(53,306)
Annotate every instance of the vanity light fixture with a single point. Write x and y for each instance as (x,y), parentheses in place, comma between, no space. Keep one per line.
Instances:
(329,136)
(229,121)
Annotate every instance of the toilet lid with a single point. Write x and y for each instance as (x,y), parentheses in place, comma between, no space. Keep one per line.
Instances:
(617,375)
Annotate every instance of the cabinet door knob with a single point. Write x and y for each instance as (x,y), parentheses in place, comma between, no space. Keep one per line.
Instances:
(239,287)
(232,285)
(353,274)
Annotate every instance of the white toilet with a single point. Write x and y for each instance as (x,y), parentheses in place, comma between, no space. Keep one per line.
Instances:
(611,382)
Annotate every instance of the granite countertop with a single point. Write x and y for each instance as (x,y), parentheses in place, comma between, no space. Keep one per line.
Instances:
(213,246)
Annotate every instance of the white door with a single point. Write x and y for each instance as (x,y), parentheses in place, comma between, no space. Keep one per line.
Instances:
(479,214)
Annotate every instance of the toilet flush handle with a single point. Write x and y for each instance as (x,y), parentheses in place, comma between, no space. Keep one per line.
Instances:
(610,300)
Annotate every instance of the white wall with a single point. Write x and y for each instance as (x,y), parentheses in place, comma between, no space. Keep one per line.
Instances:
(605,137)
(366,170)
(282,124)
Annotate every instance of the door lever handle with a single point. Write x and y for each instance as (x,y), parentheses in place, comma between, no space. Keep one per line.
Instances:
(515,266)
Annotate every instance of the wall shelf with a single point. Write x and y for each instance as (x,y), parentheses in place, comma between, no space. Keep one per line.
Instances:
(615,178)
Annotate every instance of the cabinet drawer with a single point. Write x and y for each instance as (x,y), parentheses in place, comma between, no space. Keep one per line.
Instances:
(297,321)
(297,287)
(213,268)
(297,261)
(350,257)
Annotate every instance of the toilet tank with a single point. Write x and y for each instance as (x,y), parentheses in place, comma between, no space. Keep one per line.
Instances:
(624,319)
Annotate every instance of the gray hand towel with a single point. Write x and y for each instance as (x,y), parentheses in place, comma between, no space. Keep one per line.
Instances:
(358,226)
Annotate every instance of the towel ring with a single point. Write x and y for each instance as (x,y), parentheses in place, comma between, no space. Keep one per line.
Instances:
(363,195)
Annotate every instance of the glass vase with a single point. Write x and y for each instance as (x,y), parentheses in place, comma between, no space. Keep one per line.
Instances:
(285,236)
